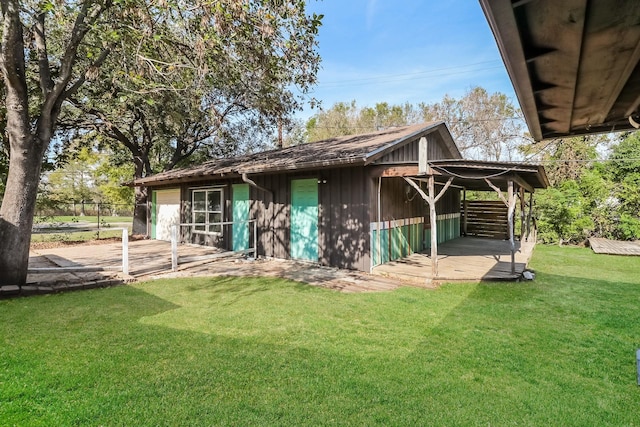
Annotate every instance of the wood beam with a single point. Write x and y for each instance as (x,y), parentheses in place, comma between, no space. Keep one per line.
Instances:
(399,171)
(497,190)
(522,209)
(529,216)
(445,188)
(522,183)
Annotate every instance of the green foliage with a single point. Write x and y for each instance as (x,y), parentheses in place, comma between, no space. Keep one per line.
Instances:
(562,214)
(628,227)
(591,196)
(89,176)
(261,351)
(193,78)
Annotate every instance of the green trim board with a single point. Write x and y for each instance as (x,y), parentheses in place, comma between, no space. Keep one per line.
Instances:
(304,219)
(240,208)
(401,238)
(398,239)
(448,227)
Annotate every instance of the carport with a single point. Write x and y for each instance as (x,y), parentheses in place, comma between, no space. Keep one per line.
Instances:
(510,181)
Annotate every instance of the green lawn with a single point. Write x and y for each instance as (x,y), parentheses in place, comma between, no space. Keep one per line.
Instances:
(92,219)
(75,236)
(63,228)
(229,351)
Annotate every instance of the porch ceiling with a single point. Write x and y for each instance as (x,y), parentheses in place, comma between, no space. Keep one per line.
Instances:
(574,63)
(471,174)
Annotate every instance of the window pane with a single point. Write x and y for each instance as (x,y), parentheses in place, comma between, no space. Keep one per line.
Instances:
(214,201)
(214,220)
(199,200)
(199,217)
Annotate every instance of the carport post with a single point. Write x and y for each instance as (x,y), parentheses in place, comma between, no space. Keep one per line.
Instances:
(125,251)
(511,210)
(433,220)
(174,247)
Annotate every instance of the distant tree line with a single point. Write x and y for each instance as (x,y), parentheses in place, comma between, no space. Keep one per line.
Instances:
(485,126)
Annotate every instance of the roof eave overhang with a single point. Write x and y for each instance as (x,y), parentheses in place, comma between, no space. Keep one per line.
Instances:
(503,24)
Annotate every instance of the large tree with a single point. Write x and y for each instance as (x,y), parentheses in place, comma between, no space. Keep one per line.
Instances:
(52,50)
(182,82)
(43,60)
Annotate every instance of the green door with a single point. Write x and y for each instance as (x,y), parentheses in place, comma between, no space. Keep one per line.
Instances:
(304,219)
(240,217)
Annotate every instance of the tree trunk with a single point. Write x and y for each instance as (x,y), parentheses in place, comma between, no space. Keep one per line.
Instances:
(16,213)
(141,198)
(140,212)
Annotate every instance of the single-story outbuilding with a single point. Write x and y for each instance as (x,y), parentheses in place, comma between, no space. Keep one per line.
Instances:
(350,202)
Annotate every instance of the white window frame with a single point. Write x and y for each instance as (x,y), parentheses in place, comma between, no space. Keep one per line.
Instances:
(209,227)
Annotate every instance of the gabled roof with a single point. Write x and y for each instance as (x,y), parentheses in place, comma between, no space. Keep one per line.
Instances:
(574,63)
(346,150)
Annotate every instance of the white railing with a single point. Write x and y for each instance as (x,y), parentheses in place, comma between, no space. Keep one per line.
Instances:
(124,267)
(175,236)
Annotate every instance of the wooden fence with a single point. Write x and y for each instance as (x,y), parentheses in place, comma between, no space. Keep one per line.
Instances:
(483,218)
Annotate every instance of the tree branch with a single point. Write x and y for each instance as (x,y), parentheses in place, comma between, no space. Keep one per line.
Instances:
(46,83)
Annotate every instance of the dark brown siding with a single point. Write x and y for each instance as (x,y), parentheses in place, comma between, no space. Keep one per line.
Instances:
(344,218)
(410,152)
(272,212)
(343,222)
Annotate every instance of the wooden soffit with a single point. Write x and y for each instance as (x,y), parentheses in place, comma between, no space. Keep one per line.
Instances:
(574,64)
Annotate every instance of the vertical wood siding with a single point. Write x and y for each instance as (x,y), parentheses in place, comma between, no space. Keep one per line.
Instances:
(410,152)
(404,223)
(343,217)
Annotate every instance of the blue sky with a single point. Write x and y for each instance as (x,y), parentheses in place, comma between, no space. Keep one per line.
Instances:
(400,51)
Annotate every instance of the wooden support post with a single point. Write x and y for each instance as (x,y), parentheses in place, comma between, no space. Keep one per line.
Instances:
(522,209)
(125,251)
(511,210)
(433,219)
(174,247)
(432,199)
(529,215)
(465,208)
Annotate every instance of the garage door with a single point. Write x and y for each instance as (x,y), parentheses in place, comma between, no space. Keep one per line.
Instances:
(165,213)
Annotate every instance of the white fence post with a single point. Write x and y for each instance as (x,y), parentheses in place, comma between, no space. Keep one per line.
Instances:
(174,247)
(125,251)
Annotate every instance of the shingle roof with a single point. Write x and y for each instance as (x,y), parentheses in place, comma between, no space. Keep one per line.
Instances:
(344,150)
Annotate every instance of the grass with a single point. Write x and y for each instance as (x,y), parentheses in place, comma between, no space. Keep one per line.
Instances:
(232,351)
(74,236)
(61,228)
(90,219)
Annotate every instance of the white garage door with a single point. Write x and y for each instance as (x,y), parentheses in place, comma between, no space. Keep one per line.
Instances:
(167,212)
